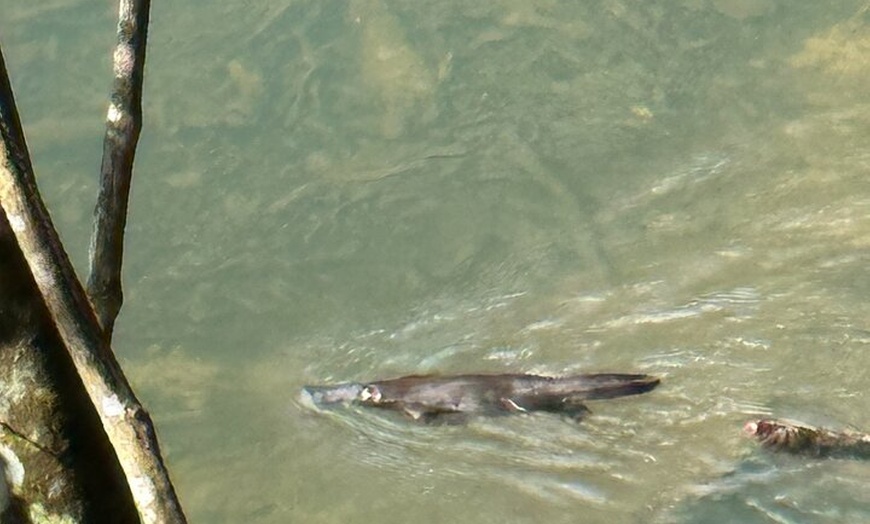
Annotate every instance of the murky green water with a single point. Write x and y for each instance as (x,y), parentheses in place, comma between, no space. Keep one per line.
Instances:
(330,191)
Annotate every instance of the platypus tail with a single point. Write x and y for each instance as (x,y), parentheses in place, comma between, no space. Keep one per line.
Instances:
(612,385)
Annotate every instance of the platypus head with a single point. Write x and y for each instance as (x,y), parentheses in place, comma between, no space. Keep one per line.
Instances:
(370,394)
(326,395)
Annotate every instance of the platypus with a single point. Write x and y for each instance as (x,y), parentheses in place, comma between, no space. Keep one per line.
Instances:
(435,397)
(803,439)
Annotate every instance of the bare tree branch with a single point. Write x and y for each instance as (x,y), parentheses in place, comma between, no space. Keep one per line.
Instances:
(123,124)
(127,425)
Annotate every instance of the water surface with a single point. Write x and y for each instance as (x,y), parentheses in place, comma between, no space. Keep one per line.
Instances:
(344,190)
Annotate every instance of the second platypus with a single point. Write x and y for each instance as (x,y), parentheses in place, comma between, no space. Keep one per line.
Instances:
(432,397)
(803,439)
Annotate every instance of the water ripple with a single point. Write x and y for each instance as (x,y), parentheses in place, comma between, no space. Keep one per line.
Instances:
(741,303)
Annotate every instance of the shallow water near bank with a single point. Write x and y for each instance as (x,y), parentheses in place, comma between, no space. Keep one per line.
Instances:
(346,191)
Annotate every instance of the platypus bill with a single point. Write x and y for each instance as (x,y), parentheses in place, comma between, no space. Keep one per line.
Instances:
(446,398)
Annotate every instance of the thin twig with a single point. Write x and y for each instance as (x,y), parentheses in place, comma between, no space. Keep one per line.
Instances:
(127,425)
(123,124)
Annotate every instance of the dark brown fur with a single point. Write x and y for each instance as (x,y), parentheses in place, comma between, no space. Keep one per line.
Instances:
(803,439)
(431,397)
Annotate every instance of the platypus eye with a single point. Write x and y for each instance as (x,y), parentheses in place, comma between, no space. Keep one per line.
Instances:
(370,394)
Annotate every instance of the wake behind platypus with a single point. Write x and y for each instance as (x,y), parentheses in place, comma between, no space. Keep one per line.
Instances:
(441,398)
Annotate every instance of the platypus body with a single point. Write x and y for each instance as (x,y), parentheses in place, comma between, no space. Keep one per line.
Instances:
(433,397)
(803,439)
